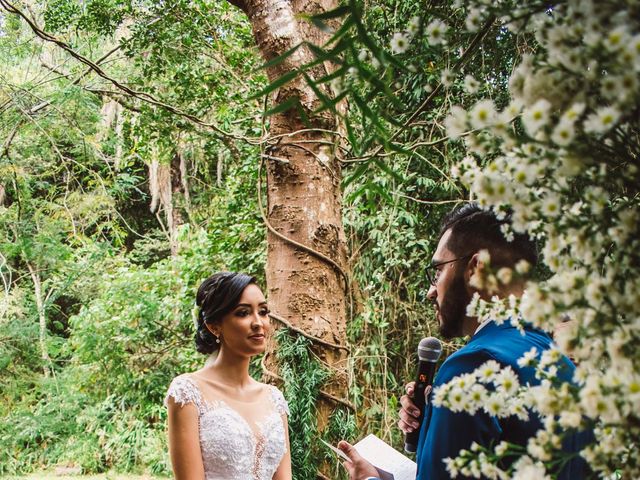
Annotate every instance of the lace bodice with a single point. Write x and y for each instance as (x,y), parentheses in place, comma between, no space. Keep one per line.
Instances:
(231,448)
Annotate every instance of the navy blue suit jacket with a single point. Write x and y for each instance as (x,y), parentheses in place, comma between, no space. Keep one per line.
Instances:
(444,433)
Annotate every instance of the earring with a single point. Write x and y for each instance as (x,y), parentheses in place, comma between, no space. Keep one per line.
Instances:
(217,339)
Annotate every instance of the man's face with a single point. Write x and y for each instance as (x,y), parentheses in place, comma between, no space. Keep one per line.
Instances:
(449,294)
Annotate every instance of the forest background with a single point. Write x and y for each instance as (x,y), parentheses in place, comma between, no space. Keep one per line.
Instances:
(140,146)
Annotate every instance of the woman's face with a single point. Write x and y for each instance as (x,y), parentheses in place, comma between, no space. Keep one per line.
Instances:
(245,328)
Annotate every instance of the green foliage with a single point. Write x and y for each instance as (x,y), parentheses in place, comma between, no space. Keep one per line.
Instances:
(297,363)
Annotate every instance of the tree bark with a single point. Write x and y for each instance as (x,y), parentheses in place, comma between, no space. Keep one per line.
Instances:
(304,197)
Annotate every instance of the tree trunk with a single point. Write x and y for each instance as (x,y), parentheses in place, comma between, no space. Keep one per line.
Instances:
(303,193)
(42,319)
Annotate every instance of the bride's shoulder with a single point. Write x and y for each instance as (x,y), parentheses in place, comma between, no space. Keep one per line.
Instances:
(278,398)
(183,390)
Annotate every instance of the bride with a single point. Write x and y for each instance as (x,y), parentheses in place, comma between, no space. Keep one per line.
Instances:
(223,424)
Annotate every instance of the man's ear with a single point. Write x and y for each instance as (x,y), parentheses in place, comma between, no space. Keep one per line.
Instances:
(474,272)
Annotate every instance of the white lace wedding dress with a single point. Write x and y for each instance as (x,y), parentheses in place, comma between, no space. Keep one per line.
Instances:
(234,447)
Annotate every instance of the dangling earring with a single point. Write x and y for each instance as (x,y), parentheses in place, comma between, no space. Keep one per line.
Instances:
(217,339)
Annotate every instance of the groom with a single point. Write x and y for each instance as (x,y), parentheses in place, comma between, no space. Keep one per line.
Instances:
(455,268)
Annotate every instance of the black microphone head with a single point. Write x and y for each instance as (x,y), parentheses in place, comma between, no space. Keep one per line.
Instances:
(429,349)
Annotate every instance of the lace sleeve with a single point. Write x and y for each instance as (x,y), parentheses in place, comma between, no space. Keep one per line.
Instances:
(183,390)
(282,407)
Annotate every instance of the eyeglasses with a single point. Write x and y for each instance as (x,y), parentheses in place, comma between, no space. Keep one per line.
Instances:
(433,277)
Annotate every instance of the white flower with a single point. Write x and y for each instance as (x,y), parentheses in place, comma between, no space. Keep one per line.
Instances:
(569,419)
(436,32)
(337,85)
(399,43)
(414,25)
(529,358)
(632,52)
(456,399)
(471,85)
(525,469)
(508,381)
(505,275)
(524,173)
(616,39)
(495,404)
(483,114)
(522,266)
(447,77)
(551,205)
(488,371)
(474,20)
(484,256)
(563,134)
(602,120)
(536,116)
(456,122)
(363,55)
(573,113)
(628,85)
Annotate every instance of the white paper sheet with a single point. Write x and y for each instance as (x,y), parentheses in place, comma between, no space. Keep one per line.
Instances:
(390,463)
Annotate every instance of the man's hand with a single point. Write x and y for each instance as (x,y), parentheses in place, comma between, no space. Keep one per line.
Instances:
(409,413)
(358,467)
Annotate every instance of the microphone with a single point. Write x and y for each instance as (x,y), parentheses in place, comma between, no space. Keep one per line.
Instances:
(429,350)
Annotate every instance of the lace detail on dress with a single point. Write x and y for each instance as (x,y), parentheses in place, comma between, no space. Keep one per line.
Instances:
(231,449)
(183,390)
(278,399)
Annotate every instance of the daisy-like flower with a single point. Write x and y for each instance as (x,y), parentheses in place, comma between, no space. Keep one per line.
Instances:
(536,116)
(488,371)
(525,173)
(572,114)
(628,84)
(602,120)
(508,382)
(456,122)
(474,20)
(529,358)
(483,114)
(563,134)
(414,26)
(447,77)
(436,32)
(631,53)
(471,85)
(616,39)
(399,43)
(494,404)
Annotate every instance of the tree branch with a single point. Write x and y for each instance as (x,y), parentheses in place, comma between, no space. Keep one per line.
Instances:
(143,96)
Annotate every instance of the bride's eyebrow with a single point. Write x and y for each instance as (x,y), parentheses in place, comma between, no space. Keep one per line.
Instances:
(261,304)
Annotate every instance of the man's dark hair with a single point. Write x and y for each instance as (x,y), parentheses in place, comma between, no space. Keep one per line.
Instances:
(474,229)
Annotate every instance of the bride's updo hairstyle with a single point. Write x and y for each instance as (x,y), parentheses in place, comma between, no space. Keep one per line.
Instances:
(217,296)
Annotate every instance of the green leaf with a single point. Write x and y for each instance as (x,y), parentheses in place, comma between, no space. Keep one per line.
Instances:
(288,104)
(283,80)
(335,13)
(279,58)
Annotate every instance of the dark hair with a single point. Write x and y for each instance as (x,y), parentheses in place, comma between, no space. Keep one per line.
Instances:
(474,229)
(216,297)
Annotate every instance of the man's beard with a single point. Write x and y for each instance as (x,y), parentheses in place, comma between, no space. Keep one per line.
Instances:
(453,309)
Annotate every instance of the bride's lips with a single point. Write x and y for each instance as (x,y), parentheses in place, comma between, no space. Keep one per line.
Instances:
(257,337)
